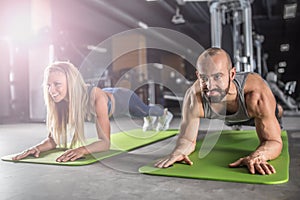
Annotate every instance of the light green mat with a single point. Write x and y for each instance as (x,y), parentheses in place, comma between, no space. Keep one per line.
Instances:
(230,146)
(120,143)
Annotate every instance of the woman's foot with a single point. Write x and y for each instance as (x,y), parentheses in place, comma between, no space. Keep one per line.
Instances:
(149,123)
(164,121)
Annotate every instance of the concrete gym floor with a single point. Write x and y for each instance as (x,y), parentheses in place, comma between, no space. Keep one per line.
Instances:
(118,178)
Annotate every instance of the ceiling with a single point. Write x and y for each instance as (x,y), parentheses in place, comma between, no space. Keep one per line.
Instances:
(77,23)
(95,20)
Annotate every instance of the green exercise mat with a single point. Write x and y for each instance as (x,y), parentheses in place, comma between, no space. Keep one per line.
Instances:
(120,143)
(230,146)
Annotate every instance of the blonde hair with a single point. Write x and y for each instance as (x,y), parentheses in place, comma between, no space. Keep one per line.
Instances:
(72,112)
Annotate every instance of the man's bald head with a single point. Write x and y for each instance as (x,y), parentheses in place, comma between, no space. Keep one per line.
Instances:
(208,54)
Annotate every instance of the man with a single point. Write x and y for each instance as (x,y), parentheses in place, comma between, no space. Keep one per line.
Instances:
(220,92)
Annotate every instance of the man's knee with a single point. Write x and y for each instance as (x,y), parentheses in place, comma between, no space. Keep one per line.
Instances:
(280,110)
(279,113)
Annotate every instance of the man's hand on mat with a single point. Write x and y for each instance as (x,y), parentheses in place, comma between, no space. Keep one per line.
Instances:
(32,151)
(255,164)
(71,155)
(171,159)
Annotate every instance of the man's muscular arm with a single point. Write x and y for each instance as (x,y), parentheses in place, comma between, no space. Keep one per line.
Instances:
(188,132)
(261,105)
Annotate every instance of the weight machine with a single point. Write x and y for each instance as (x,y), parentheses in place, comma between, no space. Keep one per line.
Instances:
(237,13)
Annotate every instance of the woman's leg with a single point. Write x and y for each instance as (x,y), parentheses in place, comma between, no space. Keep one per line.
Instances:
(149,113)
(138,108)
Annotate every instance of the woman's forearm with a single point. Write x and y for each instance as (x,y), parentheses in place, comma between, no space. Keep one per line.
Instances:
(98,146)
(74,154)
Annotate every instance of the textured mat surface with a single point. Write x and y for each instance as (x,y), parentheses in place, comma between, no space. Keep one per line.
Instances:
(120,142)
(230,146)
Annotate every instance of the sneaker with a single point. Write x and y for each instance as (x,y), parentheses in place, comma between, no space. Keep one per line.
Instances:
(236,127)
(164,121)
(149,123)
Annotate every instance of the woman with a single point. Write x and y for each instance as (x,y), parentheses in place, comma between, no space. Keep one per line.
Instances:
(69,102)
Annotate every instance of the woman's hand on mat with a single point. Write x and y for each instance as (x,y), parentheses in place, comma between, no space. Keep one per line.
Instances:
(171,159)
(71,155)
(31,151)
(255,163)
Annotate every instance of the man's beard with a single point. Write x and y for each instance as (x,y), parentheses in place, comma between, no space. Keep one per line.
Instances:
(217,98)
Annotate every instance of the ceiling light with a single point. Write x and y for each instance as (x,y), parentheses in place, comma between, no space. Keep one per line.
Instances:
(284,47)
(158,65)
(96,48)
(282,64)
(281,70)
(178,18)
(195,0)
(290,11)
(143,25)
(180,2)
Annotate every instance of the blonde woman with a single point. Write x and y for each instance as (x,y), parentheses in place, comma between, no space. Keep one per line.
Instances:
(70,102)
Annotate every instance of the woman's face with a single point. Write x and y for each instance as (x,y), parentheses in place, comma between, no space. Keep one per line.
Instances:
(57,86)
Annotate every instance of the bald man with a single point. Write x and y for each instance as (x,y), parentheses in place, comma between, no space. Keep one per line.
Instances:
(221,93)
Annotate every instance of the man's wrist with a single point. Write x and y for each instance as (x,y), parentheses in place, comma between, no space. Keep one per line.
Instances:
(184,147)
(258,155)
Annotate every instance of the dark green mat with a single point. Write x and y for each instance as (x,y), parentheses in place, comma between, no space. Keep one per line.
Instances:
(214,166)
(120,143)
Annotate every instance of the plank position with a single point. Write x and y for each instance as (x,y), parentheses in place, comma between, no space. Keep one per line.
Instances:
(221,93)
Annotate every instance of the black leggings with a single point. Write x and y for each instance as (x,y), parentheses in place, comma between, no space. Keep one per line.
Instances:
(128,103)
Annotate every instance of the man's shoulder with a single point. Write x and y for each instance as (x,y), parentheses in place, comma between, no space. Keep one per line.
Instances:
(254,84)
(257,92)
(195,88)
(249,76)
(194,91)
(192,103)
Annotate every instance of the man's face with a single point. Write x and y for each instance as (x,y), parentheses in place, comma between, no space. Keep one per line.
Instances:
(214,78)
